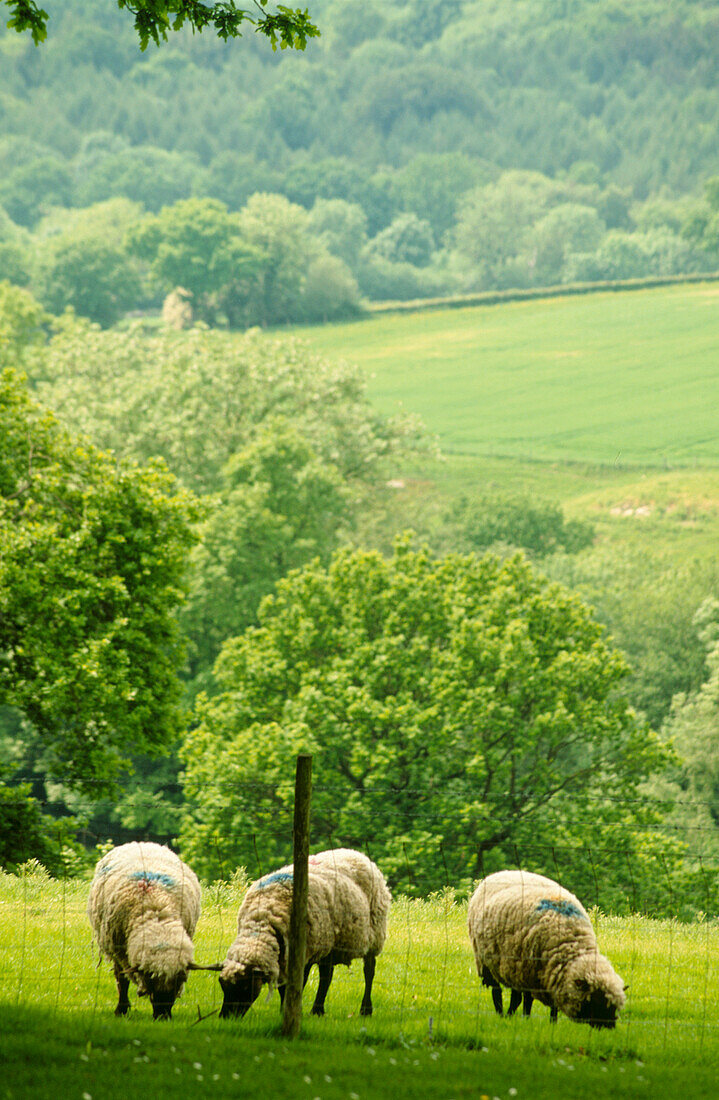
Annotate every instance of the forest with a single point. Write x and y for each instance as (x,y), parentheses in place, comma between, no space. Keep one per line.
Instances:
(415,149)
(205,565)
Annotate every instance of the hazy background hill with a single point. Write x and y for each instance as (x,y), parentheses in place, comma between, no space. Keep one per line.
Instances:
(436,146)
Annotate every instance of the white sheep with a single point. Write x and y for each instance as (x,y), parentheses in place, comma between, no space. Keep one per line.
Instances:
(532,935)
(144,905)
(348,905)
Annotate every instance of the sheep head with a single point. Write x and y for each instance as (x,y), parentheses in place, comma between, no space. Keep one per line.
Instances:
(591,992)
(241,988)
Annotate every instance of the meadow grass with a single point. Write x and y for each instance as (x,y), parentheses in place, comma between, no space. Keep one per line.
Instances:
(604,403)
(606,378)
(433,1033)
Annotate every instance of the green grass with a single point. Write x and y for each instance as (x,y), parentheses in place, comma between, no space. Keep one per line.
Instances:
(61,1038)
(604,379)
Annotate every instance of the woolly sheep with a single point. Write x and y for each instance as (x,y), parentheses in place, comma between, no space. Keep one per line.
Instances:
(348,904)
(532,935)
(144,905)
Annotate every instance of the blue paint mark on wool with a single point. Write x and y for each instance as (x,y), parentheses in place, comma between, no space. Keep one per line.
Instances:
(276,876)
(153,876)
(564,908)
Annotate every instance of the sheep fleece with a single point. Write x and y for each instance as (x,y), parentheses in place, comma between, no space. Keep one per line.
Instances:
(144,905)
(534,935)
(347,907)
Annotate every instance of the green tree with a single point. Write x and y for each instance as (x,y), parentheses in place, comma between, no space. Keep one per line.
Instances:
(24,327)
(280,505)
(407,240)
(196,244)
(196,398)
(691,727)
(536,526)
(458,710)
(144,174)
(278,229)
(155,18)
(31,188)
(90,273)
(92,561)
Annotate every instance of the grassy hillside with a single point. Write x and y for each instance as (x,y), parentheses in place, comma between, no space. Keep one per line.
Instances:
(607,379)
(433,1034)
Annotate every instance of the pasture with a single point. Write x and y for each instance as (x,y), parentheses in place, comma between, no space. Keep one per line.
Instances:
(433,1033)
(605,403)
(607,378)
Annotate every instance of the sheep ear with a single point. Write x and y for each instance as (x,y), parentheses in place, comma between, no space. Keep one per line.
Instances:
(196,966)
(626,987)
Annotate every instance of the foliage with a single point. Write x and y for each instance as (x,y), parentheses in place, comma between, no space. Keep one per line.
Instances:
(291,27)
(195,244)
(280,505)
(93,554)
(407,240)
(89,273)
(197,397)
(455,708)
(23,326)
(691,727)
(27,833)
(537,526)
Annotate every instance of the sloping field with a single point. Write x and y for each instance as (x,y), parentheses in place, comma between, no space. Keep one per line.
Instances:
(607,378)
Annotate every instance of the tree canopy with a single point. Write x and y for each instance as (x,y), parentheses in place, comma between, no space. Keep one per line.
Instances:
(92,560)
(154,19)
(455,707)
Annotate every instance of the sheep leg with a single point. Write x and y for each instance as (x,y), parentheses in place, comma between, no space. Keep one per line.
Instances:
(123,985)
(370,962)
(488,979)
(553,1013)
(515,999)
(326,967)
(527,1008)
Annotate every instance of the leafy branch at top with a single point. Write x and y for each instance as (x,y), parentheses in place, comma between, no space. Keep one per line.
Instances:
(288,27)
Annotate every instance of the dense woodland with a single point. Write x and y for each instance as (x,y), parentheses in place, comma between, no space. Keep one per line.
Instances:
(419,147)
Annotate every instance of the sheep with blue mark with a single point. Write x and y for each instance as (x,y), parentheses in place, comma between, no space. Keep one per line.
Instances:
(144,905)
(532,935)
(348,905)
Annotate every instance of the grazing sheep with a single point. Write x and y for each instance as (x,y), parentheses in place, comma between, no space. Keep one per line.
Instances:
(532,935)
(348,904)
(143,907)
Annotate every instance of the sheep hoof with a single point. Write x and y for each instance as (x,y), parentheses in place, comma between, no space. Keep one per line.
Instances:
(318,1010)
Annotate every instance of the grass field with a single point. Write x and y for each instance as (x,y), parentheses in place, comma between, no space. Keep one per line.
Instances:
(433,1034)
(605,403)
(603,379)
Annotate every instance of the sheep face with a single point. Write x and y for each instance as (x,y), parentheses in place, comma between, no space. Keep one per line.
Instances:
(163,991)
(592,993)
(240,992)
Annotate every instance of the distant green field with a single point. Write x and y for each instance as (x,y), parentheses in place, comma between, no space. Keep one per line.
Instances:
(610,378)
(433,1035)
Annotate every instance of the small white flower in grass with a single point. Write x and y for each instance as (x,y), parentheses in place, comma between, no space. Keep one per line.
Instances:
(393,1061)
(372,1051)
(512,1092)
(354,1096)
(86,1096)
(327,1078)
(236,1076)
(84,1058)
(307,1080)
(200,1077)
(177,1069)
(215,1077)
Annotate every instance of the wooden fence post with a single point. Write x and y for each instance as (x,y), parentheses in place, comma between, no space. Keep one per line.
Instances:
(297,945)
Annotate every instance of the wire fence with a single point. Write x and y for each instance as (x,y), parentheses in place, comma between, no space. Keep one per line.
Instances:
(427,984)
